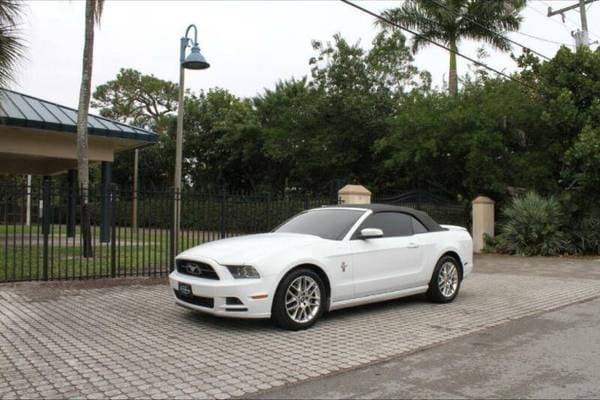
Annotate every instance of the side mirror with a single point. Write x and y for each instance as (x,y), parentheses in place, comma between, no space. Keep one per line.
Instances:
(370,233)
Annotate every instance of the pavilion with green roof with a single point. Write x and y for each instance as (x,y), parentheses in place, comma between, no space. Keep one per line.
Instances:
(38,137)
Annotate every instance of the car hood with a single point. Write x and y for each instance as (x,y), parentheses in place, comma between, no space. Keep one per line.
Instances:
(244,250)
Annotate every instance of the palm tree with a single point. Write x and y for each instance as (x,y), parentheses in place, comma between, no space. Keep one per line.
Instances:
(450,21)
(93,12)
(11,45)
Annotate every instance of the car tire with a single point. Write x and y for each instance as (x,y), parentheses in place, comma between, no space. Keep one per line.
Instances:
(299,300)
(445,281)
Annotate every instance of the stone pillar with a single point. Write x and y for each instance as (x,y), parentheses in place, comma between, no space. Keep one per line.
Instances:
(483,221)
(354,194)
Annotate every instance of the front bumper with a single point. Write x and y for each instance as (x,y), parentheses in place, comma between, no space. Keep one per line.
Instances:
(467,269)
(220,290)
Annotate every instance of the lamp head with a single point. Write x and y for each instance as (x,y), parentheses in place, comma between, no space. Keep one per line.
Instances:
(195,60)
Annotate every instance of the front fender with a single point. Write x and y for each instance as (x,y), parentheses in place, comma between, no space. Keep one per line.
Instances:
(303,261)
(464,252)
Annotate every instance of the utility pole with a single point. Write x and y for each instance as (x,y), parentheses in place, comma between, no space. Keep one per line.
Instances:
(581,36)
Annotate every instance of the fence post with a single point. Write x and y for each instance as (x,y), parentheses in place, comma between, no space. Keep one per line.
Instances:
(483,221)
(113,227)
(105,217)
(172,231)
(222,221)
(71,203)
(46,206)
(268,216)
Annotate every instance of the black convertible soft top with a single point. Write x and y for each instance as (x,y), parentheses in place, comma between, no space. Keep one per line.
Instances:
(422,216)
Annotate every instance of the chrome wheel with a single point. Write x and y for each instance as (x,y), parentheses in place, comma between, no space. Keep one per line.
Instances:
(303,299)
(448,279)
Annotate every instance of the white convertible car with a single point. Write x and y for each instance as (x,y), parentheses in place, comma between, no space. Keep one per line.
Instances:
(325,259)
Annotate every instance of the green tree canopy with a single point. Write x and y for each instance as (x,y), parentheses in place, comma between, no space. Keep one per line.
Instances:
(223,143)
(138,99)
(146,101)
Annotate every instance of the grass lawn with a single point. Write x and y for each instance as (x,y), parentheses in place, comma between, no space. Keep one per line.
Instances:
(145,251)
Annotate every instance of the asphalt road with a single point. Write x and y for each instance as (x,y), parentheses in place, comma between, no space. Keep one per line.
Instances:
(551,355)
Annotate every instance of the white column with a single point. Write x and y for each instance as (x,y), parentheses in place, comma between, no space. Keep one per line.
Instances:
(483,221)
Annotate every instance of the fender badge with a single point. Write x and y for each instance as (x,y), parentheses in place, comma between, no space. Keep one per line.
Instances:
(344,266)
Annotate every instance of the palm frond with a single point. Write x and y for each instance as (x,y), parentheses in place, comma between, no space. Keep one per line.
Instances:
(11,44)
(425,38)
(10,12)
(413,15)
(443,20)
(479,33)
(420,16)
(11,50)
(488,21)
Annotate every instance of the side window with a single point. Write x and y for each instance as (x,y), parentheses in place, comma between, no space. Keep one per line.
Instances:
(418,227)
(391,223)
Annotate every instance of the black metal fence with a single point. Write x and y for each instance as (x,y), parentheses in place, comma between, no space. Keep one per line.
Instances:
(442,210)
(40,236)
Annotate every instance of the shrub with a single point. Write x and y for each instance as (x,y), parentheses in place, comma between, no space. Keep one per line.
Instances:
(585,235)
(533,227)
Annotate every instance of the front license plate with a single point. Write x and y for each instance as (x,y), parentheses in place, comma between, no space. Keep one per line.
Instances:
(185,289)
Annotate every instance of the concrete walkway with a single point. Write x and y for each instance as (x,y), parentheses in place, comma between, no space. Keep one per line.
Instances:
(104,340)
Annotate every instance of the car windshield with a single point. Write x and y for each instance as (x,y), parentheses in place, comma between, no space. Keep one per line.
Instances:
(329,224)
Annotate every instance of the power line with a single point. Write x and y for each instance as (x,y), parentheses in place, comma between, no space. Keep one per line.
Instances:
(390,22)
(497,34)
(543,39)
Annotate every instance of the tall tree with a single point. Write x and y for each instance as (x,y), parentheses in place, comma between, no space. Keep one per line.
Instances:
(11,44)
(142,100)
(93,12)
(223,142)
(360,90)
(450,21)
(138,99)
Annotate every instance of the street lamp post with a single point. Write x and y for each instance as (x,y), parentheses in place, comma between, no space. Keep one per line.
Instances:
(195,60)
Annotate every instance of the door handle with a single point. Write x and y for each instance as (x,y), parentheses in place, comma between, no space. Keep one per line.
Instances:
(413,245)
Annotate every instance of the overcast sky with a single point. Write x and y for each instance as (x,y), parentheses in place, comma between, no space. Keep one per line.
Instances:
(249,44)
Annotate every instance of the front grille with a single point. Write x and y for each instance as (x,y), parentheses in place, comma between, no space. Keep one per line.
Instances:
(196,300)
(197,269)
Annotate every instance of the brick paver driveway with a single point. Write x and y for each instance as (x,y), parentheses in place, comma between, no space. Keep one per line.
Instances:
(132,341)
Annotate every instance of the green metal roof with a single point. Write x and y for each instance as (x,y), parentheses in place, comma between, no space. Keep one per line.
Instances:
(17,109)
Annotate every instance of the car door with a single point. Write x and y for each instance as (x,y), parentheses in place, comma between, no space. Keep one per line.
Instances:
(388,263)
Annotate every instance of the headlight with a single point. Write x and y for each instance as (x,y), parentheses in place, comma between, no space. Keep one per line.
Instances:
(243,272)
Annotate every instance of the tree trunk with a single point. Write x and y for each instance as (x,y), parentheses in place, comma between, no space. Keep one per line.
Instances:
(82,127)
(452,74)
